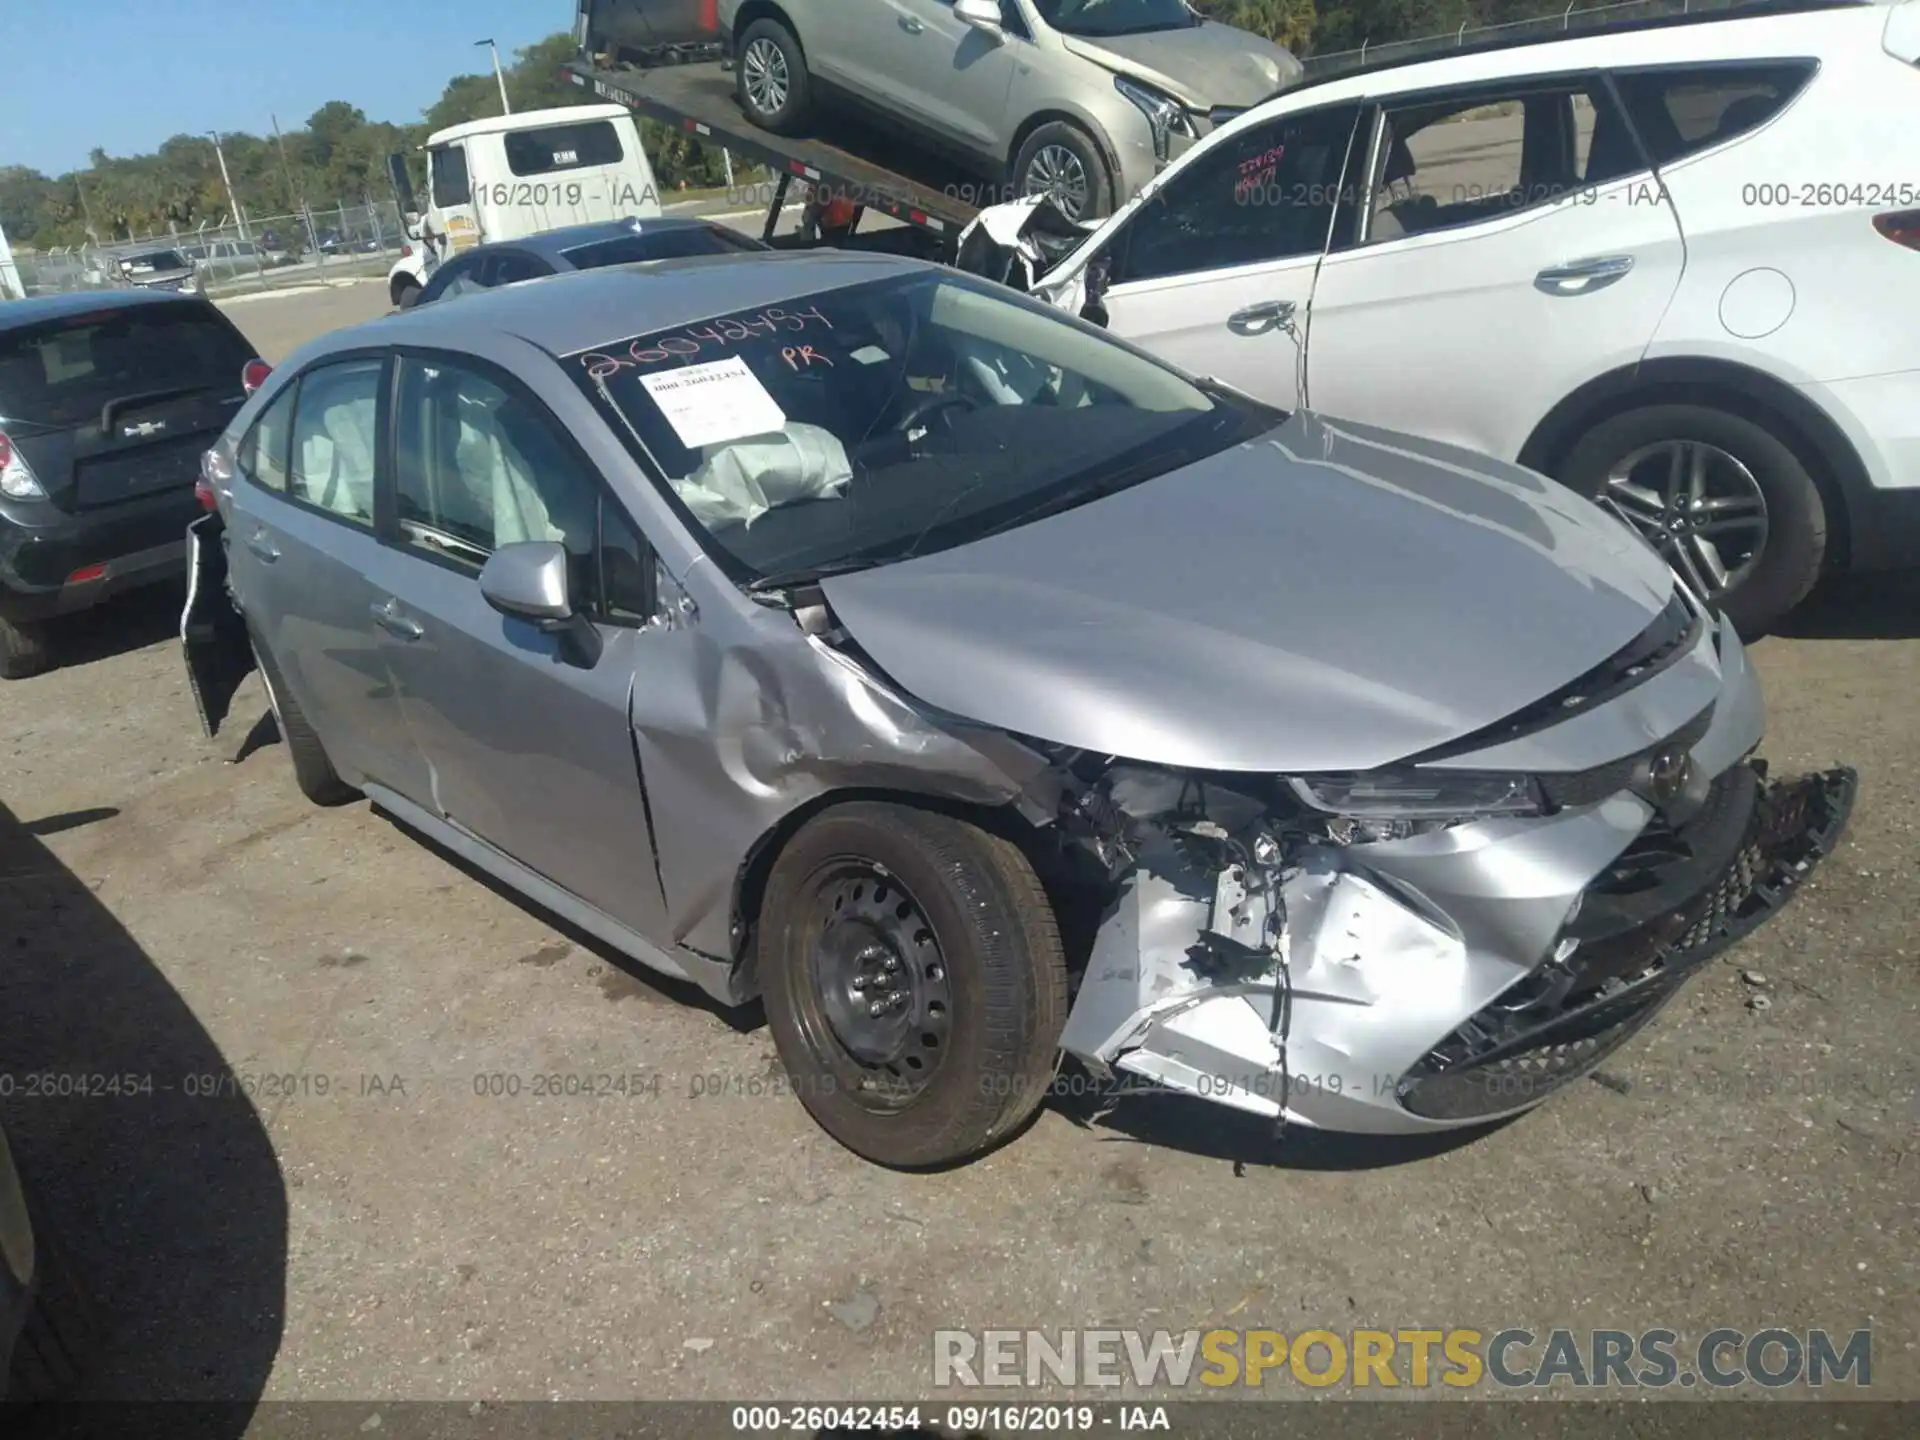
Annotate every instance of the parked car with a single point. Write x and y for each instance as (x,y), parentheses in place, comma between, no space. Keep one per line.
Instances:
(975,686)
(1083,100)
(156,270)
(1654,264)
(106,403)
(649,31)
(580,247)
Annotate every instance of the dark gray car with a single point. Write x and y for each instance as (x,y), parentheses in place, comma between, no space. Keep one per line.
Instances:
(582,247)
(975,688)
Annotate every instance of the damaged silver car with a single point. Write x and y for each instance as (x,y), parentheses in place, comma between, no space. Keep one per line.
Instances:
(978,689)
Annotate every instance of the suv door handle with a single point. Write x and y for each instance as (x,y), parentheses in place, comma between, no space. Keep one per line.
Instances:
(388,617)
(1258,319)
(261,544)
(912,26)
(1582,277)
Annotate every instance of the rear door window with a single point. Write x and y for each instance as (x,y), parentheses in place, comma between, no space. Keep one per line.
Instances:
(63,372)
(555,148)
(334,439)
(1683,109)
(263,454)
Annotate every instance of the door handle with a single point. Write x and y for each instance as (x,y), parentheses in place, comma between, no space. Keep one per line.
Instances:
(261,544)
(388,617)
(1582,277)
(912,26)
(1258,319)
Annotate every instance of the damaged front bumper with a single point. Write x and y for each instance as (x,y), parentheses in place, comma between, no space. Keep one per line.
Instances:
(1463,973)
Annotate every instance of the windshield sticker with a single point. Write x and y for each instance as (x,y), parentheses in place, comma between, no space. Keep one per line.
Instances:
(871,355)
(697,340)
(715,403)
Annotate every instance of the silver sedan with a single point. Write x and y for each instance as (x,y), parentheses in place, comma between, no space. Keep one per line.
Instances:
(977,688)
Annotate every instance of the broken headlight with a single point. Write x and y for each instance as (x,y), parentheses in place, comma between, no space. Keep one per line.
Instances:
(1166,116)
(1407,795)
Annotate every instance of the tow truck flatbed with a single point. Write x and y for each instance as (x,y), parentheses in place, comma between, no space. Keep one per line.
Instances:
(698,99)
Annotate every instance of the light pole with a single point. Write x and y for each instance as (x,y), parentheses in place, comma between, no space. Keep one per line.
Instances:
(239,215)
(506,107)
(10,286)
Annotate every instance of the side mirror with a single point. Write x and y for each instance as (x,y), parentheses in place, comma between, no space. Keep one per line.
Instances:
(401,183)
(528,581)
(982,15)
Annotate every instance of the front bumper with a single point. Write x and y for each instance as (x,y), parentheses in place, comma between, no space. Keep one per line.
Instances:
(1453,977)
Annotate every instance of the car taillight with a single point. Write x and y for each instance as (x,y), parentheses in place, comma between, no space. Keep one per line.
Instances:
(17,480)
(254,374)
(1900,226)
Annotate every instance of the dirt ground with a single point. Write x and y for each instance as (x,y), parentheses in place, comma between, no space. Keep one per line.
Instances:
(399,1216)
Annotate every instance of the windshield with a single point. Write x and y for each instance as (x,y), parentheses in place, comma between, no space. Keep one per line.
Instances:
(154,260)
(895,418)
(1116,17)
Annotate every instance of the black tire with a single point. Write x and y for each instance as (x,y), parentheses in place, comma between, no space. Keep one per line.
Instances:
(406,293)
(993,952)
(1790,559)
(23,649)
(312,770)
(788,116)
(54,1345)
(1061,135)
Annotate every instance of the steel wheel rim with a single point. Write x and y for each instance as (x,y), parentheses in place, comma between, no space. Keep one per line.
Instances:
(764,67)
(1057,172)
(1699,506)
(878,981)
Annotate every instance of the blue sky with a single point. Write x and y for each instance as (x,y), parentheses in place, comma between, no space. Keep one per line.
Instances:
(126,75)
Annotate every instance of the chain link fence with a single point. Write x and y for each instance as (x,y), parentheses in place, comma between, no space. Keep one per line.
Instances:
(269,252)
(1573,19)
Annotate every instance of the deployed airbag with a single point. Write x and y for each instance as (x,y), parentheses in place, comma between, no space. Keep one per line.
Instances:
(738,482)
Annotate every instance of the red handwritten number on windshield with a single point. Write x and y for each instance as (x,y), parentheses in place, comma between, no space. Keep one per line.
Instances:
(718,334)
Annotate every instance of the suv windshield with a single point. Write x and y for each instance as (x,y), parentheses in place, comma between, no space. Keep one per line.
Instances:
(1116,17)
(895,418)
(153,260)
(62,372)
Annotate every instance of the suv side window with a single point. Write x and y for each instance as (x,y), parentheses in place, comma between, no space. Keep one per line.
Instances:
(1459,159)
(1684,109)
(334,439)
(1267,194)
(479,465)
(263,453)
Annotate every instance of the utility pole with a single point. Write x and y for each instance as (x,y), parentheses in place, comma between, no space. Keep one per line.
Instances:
(225,179)
(506,108)
(294,193)
(85,209)
(10,286)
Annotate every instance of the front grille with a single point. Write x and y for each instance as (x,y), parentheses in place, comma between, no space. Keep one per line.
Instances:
(1567,1017)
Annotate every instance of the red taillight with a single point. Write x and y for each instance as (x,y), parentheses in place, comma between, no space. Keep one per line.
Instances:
(86,573)
(1900,226)
(254,374)
(203,492)
(6,450)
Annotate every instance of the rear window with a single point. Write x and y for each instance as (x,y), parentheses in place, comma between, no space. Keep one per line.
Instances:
(666,245)
(64,372)
(563,147)
(152,261)
(1688,108)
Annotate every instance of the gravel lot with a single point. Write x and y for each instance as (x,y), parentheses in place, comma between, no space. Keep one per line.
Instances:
(403,1236)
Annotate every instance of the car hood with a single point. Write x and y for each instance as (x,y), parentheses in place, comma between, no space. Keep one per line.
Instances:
(1328,597)
(1208,65)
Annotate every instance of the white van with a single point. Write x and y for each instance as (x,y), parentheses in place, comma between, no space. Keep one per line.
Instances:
(514,175)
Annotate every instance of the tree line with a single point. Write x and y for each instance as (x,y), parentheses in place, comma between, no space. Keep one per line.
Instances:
(337,155)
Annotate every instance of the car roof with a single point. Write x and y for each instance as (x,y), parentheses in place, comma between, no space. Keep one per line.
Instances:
(1754,28)
(527,120)
(580,309)
(38,308)
(552,244)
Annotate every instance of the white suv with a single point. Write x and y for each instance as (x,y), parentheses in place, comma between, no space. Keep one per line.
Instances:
(1672,262)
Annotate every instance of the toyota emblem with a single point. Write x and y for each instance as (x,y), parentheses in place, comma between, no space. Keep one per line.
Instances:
(1667,773)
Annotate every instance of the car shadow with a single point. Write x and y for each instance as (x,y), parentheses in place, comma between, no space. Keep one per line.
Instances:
(634,979)
(156,1173)
(1884,606)
(119,625)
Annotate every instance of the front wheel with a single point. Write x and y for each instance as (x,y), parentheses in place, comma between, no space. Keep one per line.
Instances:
(1061,161)
(1722,497)
(914,981)
(770,77)
(406,293)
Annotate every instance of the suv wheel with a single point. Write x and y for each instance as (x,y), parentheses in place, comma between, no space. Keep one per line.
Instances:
(770,77)
(914,979)
(1061,160)
(1723,497)
(406,293)
(23,649)
(312,770)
